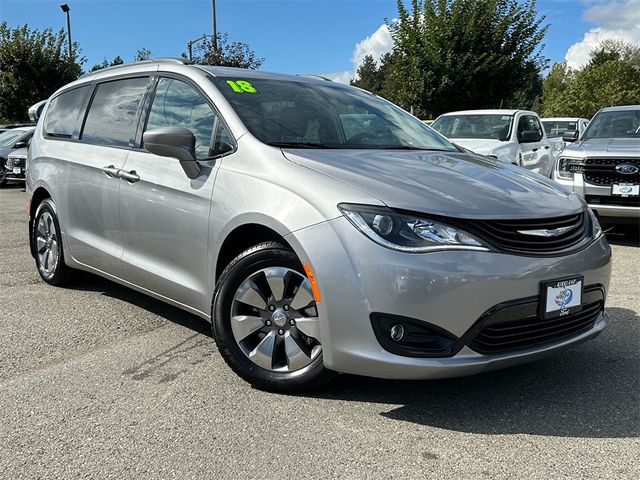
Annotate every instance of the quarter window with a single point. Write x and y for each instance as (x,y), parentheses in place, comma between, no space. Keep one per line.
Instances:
(113,114)
(177,104)
(63,112)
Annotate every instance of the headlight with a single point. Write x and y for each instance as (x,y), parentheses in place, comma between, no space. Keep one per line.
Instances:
(595,225)
(566,167)
(408,233)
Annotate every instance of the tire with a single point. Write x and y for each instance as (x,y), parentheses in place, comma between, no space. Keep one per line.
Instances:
(49,254)
(266,333)
(3,174)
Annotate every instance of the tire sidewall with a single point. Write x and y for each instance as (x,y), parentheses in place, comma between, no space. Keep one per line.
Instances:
(234,275)
(55,278)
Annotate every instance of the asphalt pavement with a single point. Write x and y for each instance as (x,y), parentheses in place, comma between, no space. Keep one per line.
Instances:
(98,381)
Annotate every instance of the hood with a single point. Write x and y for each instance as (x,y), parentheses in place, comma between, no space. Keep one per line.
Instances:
(18,153)
(443,183)
(483,146)
(605,146)
(4,151)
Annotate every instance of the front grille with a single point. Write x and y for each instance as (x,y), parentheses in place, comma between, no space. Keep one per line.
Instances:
(518,326)
(595,200)
(506,235)
(602,171)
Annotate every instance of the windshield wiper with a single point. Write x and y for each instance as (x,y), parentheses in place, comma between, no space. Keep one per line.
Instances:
(297,145)
(409,147)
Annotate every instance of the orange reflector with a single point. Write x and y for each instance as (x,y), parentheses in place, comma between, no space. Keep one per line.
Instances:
(312,281)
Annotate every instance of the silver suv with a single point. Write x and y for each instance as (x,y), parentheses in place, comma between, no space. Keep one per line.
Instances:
(603,165)
(320,228)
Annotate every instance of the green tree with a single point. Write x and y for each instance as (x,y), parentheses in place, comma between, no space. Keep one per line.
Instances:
(33,65)
(142,54)
(453,54)
(227,53)
(368,75)
(117,60)
(611,77)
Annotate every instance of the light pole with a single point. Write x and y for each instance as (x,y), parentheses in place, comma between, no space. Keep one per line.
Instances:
(191,43)
(215,28)
(65,8)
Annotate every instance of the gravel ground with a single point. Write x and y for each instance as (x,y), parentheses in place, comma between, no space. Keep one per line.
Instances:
(98,381)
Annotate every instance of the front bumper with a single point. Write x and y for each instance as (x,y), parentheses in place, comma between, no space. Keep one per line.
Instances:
(450,290)
(599,198)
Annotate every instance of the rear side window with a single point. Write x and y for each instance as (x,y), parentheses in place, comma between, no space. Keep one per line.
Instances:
(113,114)
(63,112)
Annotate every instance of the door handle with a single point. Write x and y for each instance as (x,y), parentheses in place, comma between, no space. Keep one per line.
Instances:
(547,147)
(131,176)
(534,149)
(111,171)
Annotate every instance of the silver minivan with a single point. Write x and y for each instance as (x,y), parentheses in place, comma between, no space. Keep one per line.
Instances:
(320,228)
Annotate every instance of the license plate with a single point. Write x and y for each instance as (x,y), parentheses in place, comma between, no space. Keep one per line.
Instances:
(625,190)
(17,171)
(561,297)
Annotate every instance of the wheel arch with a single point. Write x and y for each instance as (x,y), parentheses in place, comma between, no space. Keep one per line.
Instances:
(39,194)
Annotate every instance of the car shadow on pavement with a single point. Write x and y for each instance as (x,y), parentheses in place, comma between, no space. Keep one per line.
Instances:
(92,283)
(590,391)
(624,235)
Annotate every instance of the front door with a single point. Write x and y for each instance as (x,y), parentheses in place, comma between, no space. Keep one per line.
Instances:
(165,214)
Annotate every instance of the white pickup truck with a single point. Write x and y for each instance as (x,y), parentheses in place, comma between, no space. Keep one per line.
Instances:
(513,136)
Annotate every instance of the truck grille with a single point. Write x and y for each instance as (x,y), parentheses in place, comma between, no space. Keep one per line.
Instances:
(508,236)
(518,326)
(602,171)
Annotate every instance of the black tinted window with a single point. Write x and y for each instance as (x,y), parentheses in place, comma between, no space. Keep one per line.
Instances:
(63,112)
(112,116)
(177,104)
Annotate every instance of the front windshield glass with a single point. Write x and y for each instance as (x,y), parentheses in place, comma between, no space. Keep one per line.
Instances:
(302,114)
(9,137)
(485,126)
(557,128)
(614,124)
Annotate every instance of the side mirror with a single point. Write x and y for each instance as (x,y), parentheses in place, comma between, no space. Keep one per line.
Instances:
(20,145)
(529,136)
(571,136)
(174,142)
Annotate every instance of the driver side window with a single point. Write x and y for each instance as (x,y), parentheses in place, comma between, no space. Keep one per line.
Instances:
(177,104)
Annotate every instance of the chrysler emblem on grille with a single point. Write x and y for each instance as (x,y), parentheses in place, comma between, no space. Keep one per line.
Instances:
(627,169)
(544,232)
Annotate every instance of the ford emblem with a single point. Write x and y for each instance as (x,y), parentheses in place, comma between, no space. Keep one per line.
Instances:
(627,169)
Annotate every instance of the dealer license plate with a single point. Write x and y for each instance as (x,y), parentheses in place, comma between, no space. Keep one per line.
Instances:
(625,189)
(561,297)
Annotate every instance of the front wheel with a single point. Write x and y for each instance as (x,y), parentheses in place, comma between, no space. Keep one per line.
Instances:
(48,245)
(266,323)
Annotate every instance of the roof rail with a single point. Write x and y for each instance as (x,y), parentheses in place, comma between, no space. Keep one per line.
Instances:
(313,75)
(175,60)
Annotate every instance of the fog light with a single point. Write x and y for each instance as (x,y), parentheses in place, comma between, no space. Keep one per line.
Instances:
(397,332)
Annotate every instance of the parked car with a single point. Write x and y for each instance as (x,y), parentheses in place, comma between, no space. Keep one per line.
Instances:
(319,227)
(5,127)
(555,128)
(15,166)
(13,139)
(603,163)
(511,136)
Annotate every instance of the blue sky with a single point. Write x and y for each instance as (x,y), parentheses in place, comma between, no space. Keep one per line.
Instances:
(293,36)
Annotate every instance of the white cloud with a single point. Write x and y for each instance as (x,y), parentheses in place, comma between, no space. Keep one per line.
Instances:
(615,19)
(376,45)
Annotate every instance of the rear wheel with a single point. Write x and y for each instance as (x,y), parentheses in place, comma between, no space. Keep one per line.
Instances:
(48,245)
(266,322)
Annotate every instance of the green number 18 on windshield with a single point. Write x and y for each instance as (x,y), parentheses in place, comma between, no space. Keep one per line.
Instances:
(240,86)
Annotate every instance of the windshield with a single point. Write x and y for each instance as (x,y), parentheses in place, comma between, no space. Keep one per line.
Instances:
(614,124)
(491,127)
(301,114)
(9,137)
(557,128)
